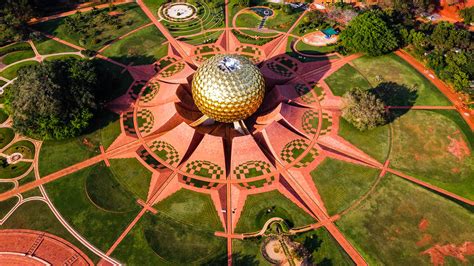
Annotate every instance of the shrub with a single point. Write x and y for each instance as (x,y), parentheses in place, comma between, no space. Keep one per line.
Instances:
(363,109)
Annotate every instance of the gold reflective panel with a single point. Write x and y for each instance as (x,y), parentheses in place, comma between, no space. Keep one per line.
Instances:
(228,88)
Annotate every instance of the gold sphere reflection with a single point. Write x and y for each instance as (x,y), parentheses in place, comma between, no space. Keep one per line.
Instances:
(228,88)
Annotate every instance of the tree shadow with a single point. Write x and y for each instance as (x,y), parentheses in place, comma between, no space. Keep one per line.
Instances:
(237,259)
(396,95)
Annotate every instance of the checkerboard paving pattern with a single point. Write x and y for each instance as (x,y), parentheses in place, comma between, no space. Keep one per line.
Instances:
(251,169)
(294,149)
(136,89)
(204,169)
(128,124)
(165,151)
(280,70)
(145,120)
(198,183)
(249,50)
(289,63)
(172,70)
(149,159)
(305,93)
(310,121)
(151,90)
(164,62)
(258,183)
(207,49)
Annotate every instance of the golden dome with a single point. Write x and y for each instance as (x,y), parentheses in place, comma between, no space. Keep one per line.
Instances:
(228,88)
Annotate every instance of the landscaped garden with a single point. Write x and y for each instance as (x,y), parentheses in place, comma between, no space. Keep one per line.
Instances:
(102,144)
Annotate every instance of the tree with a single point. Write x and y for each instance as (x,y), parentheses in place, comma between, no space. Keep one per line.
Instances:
(14,15)
(467,14)
(370,34)
(363,109)
(445,37)
(54,100)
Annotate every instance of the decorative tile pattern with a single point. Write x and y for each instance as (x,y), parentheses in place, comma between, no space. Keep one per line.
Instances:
(305,93)
(145,120)
(294,149)
(204,169)
(251,169)
(128,124)
(151,90)
(165,151)
(172,70)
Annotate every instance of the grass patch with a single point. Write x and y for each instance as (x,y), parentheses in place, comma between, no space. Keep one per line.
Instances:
(315,50)
(61,57)
(131,174)
(56,155)
(6,136)
(142,47)
(3,115)
(104,191)
(282,21)
(110,131)
(323,248)
(341,184)
(345,79)
(248,20)
(36,215)
(247,252)
(191,208)
(12,170)
(391,68)
(261,207)
(97,225)
(130,18)
(25,147)
(49,46)
(5,186)
(22,46)
(375,142)
(17,56)
(12,72)
(433,148)
(385,228)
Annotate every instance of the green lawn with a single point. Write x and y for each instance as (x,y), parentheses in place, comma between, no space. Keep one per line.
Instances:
(99,226)
(191,208)
(248,20)
(314,50)
(48,46)
(3,115)
(385,228)
(375,142)
(131,18)
(13,170)
(12,72)
(5,186)
(56,155)
(6,206)
(17,56)
(36,215)
(391,68)
(433,147)
(111,131)
(154,5)
(209,37)
(259,208)
(21,46)
(247,252)
(158,240)
(323,248)
(132,175)
(282,21)
(142,47)
(25,147)
(6,136)
(345,79)
(340,183)
(62,57)
(106,192)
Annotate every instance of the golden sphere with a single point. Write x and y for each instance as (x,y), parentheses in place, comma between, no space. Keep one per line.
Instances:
(228,88)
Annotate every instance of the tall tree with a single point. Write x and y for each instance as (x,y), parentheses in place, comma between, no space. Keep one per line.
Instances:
(370,34)
(54,100)
(363,109)
(14,14)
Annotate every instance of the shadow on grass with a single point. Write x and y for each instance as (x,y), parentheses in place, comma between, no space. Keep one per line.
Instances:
(237,259)
(136,60)
(394,94)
